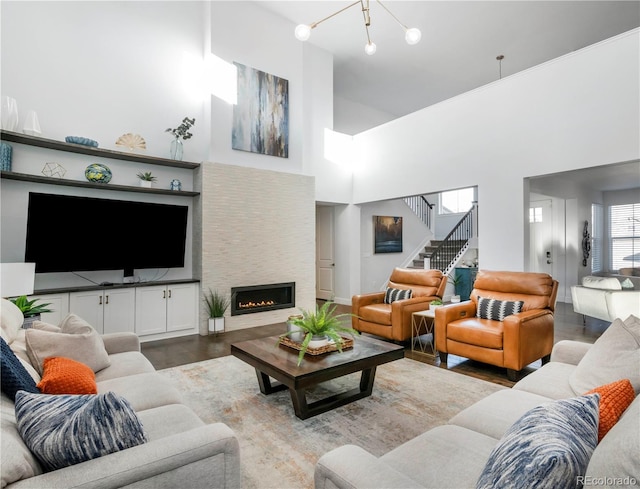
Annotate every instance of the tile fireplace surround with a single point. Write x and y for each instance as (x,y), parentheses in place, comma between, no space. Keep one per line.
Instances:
(255,227)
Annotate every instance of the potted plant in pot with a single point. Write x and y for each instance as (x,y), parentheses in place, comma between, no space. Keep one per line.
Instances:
(30,310)
(320,327)
(435,304)
(146,178)
(454,280)
(217,304)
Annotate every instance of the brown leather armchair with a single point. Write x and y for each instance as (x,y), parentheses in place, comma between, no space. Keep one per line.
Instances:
(513,343)
(393,321)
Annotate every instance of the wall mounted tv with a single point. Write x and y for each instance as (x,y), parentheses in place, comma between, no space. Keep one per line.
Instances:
(73,234)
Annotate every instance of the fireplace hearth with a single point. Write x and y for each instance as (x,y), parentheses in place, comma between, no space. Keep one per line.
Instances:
(261,298)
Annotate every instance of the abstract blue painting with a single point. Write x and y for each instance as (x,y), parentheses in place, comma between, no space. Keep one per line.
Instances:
(387,232)
(261,116)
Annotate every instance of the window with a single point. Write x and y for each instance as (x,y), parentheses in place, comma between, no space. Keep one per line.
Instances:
(624,226)
(456,201)
(597,236)
(535,214)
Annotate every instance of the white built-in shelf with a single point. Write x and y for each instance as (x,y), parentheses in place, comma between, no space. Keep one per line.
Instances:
(15,137)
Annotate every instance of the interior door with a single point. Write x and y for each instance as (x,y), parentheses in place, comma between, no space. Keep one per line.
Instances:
(325,264)
(541,253)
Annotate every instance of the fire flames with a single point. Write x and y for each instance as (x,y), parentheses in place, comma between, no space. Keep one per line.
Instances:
(251,304)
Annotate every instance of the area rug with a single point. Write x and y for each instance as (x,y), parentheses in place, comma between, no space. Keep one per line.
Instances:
(278,450)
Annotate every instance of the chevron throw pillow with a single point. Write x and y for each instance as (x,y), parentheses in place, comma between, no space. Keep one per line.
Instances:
(392,295)
(497,310)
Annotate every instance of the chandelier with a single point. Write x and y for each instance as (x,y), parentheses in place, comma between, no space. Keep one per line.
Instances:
(412,35)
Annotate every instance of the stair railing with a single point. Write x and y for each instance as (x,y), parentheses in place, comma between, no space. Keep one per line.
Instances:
(453,244)
(422,208)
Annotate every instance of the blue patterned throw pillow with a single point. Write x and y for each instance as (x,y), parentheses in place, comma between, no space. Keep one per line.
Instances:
(66,430)
(14,376)
(497,310)
(392,295)
(547,448)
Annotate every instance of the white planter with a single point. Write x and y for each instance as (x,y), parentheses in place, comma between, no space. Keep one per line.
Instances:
(146,183)
(433,307)
(318,341)
(455,298)
(216,325)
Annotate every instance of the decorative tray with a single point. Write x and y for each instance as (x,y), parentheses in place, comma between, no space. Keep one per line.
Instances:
(346,344)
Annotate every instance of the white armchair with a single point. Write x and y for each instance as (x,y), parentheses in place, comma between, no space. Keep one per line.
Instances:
(604,298)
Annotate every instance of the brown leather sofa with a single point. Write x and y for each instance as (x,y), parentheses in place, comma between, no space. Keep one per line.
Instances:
(393,321)
(513,343)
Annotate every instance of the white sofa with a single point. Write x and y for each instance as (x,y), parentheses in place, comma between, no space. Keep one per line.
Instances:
(181,451)
(455,455)
(604,298)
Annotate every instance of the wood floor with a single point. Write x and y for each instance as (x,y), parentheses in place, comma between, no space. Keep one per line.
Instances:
(195,348)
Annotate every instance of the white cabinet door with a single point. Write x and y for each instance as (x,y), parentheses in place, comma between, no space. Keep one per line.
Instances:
(119,311)
(182,307)
(59,305)
(89,306)
(151,310)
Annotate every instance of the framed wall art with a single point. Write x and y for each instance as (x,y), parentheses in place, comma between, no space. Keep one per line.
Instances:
(261,116)
(387,234)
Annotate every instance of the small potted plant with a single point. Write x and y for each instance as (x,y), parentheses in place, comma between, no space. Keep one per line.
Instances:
(435,304)
(146,178)
(30,310)
(217,304)
(320,327)
(454,280)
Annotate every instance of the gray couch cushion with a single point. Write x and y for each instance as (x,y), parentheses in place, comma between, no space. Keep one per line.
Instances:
(614,356)
(550,380)
(164,421)
(616,456)
(124,364)
(143,391)
(494,415)
(17,461)
(446,456)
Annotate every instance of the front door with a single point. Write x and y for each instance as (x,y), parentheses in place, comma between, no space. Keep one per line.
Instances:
(541,253)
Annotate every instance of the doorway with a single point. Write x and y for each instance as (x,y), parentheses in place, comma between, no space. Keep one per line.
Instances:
(325,256)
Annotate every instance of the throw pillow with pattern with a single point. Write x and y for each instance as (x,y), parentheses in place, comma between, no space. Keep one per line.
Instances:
(392,295)
(496,309)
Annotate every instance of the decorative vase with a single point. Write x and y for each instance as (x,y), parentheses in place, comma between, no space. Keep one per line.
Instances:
(28,321)
(175,185)
(5,156)
(318,341)
(297,334)
(9,112)
(455,298)
(98,173)
(31,124)
(176,149)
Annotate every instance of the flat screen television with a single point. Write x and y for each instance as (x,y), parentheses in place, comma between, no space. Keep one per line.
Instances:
(73,234)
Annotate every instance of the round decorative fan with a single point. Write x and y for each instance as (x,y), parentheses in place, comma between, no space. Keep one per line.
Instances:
(131,141)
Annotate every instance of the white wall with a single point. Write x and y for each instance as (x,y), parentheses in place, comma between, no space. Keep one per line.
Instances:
(577,111)
(352,118)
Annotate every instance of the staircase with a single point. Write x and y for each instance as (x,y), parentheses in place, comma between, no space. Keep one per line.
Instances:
(443,255)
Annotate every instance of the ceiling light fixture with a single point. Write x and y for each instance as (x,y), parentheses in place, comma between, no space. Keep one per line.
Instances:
(412,35)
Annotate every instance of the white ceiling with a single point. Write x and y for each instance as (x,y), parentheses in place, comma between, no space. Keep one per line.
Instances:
(457,53)
(459,46)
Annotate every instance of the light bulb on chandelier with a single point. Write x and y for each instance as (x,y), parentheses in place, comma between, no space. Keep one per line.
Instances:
(370,48)
(412,35)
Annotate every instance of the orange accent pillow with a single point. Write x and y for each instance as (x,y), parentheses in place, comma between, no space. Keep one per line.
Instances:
(62,375)
(615,398)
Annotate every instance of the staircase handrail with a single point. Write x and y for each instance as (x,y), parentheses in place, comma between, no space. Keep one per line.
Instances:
(453,243)
(423,209)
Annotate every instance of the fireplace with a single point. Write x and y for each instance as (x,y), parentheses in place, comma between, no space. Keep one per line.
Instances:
(260,298)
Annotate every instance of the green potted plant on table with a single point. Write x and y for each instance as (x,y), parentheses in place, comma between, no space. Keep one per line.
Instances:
(217,304)
(30,310)
(435,304)
(320,327)
(146,178)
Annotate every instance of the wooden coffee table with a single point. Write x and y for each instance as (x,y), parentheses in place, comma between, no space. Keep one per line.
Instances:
(280,363)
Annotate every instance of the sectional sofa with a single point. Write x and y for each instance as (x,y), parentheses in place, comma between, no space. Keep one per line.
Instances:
(179,450)
(540,433)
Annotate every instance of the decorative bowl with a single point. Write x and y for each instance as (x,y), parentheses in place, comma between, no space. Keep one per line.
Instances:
(82,141)
(98,173)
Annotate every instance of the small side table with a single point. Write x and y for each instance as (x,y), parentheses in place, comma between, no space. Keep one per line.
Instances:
(423,332)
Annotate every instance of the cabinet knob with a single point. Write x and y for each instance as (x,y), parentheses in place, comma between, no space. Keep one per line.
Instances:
(100,300)
(164,294)
(169,293)
(106,299)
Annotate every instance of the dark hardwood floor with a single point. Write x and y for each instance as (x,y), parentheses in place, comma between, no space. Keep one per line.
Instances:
(195,348)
